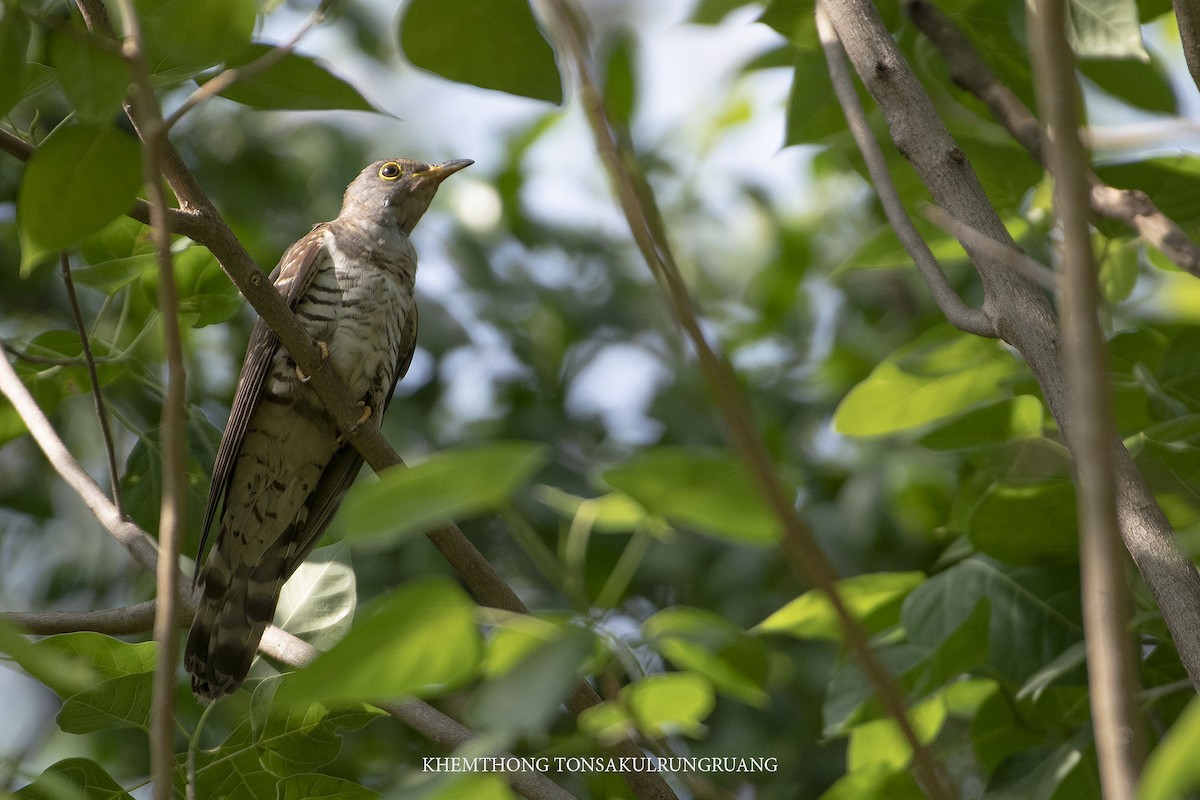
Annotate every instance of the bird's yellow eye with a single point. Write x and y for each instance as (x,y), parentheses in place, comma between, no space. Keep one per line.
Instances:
(390,171)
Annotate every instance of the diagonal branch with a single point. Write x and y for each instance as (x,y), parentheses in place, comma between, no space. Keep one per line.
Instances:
(960,315)
(1020,312)
(90,362)
(968,69)
(1107,609)
(800,548)
(276,643)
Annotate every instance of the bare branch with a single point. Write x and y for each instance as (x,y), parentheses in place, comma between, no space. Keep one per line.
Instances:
(172,512)
(132,538)
(968,70)
(1008,254)
(1112,665)
(112,621)
(800,548)
(960,315)
(90,362)
(1187,14)
(1020,312)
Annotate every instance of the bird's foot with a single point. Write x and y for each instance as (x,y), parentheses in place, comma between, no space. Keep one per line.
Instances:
(366,415)
(324,348)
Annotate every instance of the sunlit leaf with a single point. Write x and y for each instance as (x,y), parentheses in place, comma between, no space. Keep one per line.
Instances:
(708,644)
(874,599)
(451,485)
(1173,769)
(1021,417)
(418,640)
(934,377)
(1106,29)
(670,704)
(708,490)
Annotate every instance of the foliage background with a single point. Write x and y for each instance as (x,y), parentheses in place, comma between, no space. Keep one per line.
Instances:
(924,458)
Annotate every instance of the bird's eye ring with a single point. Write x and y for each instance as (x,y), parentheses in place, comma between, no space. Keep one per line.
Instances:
(390,171)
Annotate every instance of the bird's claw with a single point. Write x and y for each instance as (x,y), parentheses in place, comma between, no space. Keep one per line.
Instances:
(324,348)
(366,415)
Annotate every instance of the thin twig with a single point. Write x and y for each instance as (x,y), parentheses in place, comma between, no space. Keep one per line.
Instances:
(50,361)
(1112,665)
(112,621)
(968,69)
(90,362)
(800,548)
(1016,260)
(226,78)
(962,316)
(172,511)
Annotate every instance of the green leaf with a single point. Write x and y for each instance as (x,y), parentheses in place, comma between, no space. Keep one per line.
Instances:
(186,36)
(121,702)
(708,644)
(710,491)
(455,484)
(233,769)
(670,704)
(1173,769)
(1045,773)
(81,178)
(14,42)
(610,513)
(475,785)
(206,295)
(880,742)
(875,783)
(295,82)
(418,640)
(1023,525)
(524,699)
(317,603)
(93,78)
(1106,29)
(1020,417)
(874,599)
(620,85)
(74,779)
(61,671)
(315,786)
(1119,266)
(301,738)
(1144,84)
(1034,611)
(493,45)
(934,377)
(813,113)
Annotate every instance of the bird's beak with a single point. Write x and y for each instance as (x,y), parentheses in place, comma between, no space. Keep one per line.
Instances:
(439,172)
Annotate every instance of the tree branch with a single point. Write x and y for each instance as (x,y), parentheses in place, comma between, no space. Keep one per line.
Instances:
(960,315)
(1187,14)
(90,362)
(968,70)
(1010,255)
(800,548)
(1112,666)
(1021,314)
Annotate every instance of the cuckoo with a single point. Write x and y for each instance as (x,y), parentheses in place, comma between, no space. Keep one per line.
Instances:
(282,467)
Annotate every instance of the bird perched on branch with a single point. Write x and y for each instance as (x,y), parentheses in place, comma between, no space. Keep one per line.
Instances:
(283,467)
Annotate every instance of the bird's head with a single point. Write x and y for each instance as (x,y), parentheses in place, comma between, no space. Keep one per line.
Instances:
(397,191)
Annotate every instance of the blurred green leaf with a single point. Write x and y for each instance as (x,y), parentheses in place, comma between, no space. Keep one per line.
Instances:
(295,82)
(879,743)
(206,295)
(93,78)
(418,640)
(708,644)
(1173,769)
(74,779)
(620,85)
(1020,417)
(455,484)
(670,704)
(524,698)
(1023,525)
(310,785)
(874,599)
(51,664)
(934,377)
(496,45)
(708,490)
(1141,84)
(317,603)
(14,41)
(80,179)
(875,783)
(1106,29)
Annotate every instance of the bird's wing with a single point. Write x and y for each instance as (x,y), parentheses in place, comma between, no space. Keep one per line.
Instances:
(291,277)
(344,466)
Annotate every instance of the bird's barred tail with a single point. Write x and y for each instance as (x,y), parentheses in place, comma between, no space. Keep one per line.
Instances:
(235,608)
